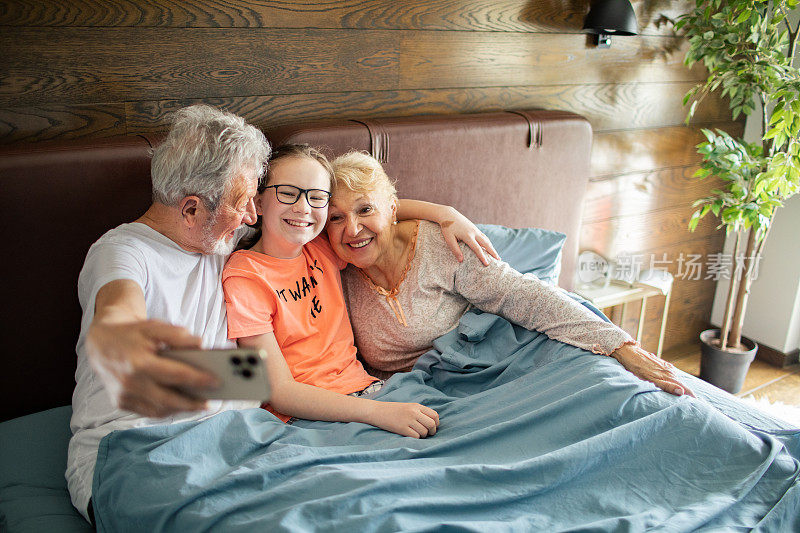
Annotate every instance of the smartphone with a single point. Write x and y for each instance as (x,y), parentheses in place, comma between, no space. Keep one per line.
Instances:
(242,372)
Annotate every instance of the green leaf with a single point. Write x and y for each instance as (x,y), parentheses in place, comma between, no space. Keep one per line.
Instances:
(759,187)
(730,212)
(694,220)
(690,114)
(745,15)
(701,173)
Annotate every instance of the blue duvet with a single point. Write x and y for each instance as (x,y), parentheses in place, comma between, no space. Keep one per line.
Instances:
(535,436)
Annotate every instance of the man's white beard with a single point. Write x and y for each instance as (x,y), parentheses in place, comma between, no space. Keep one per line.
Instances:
(212,246)
(223,247)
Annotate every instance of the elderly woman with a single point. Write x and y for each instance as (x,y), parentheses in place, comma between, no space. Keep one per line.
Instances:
(407,289)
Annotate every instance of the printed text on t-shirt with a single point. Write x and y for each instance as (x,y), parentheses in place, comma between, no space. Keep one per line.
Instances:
(302,288)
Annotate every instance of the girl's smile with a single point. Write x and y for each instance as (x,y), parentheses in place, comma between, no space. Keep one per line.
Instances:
(287,227)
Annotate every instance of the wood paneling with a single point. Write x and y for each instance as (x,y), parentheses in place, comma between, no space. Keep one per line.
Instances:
(469,15)
(85,65)
(684,323)
(95,68)
(634,233)
(459,59)
(88,65)
(606,106)
(55,121)
(463,15)
(688,261)
(642,192)
(622,152)
(685,318)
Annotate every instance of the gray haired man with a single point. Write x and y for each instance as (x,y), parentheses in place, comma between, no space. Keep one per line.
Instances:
(156,281)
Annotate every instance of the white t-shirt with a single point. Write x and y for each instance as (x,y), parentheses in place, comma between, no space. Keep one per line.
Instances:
(180,287)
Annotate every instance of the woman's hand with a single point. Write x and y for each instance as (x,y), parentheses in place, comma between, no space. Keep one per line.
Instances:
(648,367)
(456,227)
(407,419)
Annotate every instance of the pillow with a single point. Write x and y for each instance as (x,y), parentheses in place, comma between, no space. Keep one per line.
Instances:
(528,250)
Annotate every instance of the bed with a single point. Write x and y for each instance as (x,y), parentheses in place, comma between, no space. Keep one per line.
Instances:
(535,435)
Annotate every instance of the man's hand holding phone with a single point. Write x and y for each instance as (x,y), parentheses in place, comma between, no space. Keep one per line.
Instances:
(241,372)
(150,381)
(125,357)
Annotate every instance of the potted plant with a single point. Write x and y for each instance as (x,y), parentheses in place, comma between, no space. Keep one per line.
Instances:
(748,48)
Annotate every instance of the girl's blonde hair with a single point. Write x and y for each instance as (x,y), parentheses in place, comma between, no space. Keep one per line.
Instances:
(360,172)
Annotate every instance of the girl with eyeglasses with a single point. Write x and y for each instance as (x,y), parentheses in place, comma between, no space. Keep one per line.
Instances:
(284,295)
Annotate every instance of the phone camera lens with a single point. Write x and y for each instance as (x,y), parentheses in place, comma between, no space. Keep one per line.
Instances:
(236,361)
(247,374)
(251,360)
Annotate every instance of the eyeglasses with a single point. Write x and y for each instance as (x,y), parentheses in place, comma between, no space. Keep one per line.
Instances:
(289,194)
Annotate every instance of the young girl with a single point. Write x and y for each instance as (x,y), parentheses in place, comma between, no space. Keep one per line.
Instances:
(284,295)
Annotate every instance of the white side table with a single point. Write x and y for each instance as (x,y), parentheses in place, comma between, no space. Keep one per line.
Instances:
(622,293)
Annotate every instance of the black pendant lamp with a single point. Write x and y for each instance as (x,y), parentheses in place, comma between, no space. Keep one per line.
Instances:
(610,17)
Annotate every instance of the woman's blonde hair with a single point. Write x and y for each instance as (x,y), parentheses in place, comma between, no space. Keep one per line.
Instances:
(360,172)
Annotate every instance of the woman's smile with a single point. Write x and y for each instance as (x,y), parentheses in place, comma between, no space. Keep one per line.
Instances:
(360,243)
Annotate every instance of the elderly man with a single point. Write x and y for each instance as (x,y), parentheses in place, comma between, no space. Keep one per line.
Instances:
(156,281)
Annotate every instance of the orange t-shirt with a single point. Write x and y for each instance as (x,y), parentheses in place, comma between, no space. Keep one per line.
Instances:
(300,300)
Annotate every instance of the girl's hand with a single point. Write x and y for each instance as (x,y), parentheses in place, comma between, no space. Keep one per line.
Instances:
(648,367)
(407,419)
(456,227)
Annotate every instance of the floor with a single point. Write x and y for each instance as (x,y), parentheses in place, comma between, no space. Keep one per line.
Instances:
(763,379)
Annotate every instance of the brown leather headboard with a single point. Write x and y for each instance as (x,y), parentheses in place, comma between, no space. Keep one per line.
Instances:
(520,169)
(57,199)
(527,169)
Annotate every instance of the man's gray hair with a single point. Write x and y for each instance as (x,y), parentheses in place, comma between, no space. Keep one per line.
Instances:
(204,150)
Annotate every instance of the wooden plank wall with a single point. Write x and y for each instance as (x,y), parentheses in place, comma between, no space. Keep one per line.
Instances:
(92,68)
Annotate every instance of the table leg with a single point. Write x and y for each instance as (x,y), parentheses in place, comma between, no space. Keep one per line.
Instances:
(639,327)
(622,315)
(663,323)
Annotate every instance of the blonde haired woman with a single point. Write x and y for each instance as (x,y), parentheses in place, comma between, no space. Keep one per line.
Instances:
(407,289)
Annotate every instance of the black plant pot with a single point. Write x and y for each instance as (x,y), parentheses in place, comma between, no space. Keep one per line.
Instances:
(725,369)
